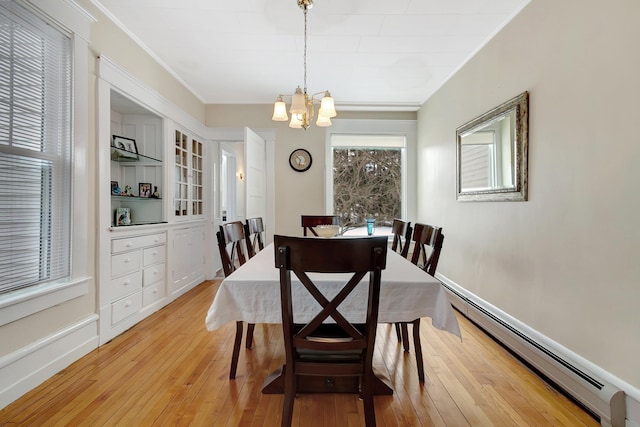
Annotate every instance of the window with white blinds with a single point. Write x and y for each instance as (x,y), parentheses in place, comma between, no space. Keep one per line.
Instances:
(35,150)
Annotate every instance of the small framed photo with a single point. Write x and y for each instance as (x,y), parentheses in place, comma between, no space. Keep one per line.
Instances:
(123,216)
(144,189)
(115,188)
(126,147)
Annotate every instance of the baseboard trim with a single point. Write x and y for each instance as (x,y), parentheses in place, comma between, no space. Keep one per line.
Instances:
(614,402)
(28,367)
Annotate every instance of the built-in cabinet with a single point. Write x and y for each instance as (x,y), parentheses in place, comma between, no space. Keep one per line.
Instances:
(157,174)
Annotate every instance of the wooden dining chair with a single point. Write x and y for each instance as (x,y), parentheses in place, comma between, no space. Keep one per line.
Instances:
(231,241)
(310,221)
(254,235)
(337,347)
(401,232)
(427,245)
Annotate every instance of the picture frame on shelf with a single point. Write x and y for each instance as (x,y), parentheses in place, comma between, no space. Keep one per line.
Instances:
(126,147)
(144,189)
(115,188)
(123,217)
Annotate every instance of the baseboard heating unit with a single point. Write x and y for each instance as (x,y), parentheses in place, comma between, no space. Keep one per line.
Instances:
(602,399)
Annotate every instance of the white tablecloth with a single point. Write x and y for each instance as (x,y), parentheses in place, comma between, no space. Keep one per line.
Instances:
(252,294)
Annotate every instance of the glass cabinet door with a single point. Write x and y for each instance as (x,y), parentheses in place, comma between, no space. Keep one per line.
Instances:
(189,182)
(196,175)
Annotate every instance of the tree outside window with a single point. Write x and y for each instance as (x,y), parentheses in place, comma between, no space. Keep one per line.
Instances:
(367,184)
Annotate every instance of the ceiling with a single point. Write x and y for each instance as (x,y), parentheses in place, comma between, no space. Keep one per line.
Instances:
(378,54)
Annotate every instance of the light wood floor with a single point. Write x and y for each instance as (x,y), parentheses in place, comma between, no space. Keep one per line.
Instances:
(169,370)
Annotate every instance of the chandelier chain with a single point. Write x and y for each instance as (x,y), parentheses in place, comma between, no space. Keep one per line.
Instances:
(305,50)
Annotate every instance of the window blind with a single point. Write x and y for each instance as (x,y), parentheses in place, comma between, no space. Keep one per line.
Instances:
(35,149)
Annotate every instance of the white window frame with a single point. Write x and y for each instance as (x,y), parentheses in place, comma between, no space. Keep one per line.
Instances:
(406,128)
(21,303)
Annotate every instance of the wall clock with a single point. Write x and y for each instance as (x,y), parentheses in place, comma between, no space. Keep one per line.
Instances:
(300,160)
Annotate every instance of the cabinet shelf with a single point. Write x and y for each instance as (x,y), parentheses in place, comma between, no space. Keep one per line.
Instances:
(124,156)
(134,198)
(114,227)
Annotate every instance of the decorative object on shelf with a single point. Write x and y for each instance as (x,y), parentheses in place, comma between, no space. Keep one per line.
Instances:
(123,216)
(125,147)
(127,191)
(144,189)
(302,105)
(115,188)
(155,194)
(300,160)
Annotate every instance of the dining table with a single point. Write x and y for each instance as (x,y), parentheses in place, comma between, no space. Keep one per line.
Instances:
(252,294)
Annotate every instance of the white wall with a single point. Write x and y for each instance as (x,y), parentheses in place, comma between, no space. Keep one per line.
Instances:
(566,262)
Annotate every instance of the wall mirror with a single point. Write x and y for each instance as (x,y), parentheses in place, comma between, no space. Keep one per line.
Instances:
(492,154)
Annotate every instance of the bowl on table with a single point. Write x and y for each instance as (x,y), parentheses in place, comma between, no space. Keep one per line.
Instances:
(327,230)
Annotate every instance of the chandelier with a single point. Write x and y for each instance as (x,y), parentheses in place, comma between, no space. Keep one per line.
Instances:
(302,105)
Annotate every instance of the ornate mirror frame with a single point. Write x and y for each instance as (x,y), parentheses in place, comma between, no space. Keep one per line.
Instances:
(515,115)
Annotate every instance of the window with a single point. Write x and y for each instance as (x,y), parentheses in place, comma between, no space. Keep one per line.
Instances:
(367,179)
(35,150)
(478,165)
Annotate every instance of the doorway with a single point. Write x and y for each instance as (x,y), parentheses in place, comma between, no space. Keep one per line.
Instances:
(228,187)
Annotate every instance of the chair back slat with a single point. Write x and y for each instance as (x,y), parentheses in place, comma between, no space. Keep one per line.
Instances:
(310,221)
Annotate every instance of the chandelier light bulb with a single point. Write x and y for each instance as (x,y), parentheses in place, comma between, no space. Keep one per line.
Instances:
(280,111)
(296,121)
(323,121)
(327,106)
(298,102)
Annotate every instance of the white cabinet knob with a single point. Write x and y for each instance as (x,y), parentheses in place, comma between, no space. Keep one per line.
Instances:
(127,304)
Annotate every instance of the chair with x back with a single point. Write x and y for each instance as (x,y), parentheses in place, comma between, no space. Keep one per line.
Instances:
(231,241)
(427,244)
(311,221)
(254,234)
(401,232)
(336,347)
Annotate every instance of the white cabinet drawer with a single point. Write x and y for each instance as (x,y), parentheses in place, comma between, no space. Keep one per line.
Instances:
(153,293)
(125,285)
(153,274)
(126,307)
(153,255)
(129,243)
(127,262)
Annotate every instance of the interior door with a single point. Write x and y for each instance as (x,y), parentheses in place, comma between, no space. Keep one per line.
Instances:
(255,174)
